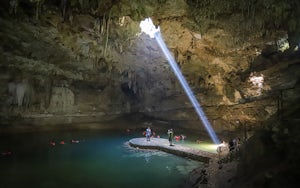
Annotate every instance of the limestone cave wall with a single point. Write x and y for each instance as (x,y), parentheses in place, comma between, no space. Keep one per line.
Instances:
(87,61)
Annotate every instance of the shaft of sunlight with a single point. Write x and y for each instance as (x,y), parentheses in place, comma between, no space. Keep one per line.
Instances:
(148,27)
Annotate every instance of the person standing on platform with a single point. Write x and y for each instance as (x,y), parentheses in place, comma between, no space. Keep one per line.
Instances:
(170,134)
(148,133)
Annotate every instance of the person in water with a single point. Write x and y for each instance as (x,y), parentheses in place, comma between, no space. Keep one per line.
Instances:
(52,143)
(75,141)
(148,133)
(170,134)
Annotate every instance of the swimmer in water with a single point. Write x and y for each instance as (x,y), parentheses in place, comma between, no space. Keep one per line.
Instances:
(75,141)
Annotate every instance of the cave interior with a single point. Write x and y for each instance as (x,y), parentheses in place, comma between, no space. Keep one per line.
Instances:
(74,63)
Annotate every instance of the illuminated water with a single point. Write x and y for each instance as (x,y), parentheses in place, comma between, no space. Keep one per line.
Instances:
(100,159)
(148,27)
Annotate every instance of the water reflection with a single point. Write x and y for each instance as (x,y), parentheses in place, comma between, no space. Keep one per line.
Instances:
(100,159)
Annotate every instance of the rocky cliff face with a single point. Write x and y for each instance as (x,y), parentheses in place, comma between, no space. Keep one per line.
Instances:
(88,61)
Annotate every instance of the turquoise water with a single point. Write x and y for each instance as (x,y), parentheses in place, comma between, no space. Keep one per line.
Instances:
(100,159)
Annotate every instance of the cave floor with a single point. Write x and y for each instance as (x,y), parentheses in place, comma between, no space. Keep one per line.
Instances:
(164,145)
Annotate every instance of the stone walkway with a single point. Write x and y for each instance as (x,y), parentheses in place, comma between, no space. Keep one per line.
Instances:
(163,145)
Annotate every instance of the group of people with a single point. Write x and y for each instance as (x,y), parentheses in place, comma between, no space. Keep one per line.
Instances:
(62,142)
(148,133)
(233,145)
(6,153)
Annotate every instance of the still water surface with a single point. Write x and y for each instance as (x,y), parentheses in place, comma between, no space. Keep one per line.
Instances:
(100,159)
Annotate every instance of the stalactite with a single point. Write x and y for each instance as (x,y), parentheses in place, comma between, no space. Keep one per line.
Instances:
(23,93)
(48,90)
(38,7)
(129,78)
(103,26)
(134,88)
(95,61)
(63,8)
(253,17)
(20,92)
(97,26)
(13,7)
(12,93)
(107,33)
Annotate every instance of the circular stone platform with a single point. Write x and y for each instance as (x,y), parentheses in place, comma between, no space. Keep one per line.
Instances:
(163,145)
